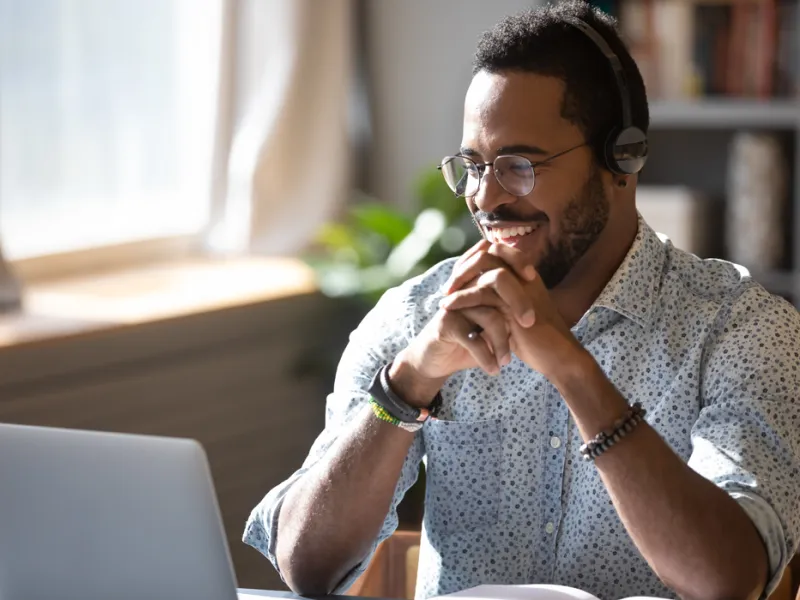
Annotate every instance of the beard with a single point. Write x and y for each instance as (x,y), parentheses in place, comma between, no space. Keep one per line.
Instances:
(583,220)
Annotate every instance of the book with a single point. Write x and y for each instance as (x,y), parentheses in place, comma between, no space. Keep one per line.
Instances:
(736,49)
(529,592)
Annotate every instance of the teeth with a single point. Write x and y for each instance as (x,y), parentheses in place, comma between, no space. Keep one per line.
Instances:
(509,232)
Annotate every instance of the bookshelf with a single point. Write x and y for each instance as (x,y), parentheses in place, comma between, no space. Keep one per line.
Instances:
(725,113)
(692,128)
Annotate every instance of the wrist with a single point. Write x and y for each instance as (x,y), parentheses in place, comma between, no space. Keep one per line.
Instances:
(575,370)
(407,382)
(589,394)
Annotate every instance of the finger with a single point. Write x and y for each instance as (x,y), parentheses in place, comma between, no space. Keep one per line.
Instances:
(473,267)
(457,328)
(495,331)
(514,258)
(497,288)
(486,258)
(482,245)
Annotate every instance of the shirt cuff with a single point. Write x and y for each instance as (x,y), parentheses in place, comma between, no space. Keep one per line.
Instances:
(261,529)
(769,526)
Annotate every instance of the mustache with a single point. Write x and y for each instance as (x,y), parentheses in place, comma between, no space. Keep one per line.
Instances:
(501,215)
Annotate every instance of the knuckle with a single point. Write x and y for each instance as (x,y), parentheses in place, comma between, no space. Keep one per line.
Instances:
(445,322)
(494,276)
(504,277)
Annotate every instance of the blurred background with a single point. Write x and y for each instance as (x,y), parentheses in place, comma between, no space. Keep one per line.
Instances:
(199,199)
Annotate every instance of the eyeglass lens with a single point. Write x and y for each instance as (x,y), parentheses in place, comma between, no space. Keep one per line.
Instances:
(463,176)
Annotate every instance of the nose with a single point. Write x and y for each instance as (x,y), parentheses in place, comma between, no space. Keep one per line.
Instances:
(490,193)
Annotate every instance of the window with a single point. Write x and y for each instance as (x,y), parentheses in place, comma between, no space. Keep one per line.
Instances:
(107,114)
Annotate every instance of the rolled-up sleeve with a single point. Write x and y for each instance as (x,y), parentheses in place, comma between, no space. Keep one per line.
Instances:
(747,437)
(379,337)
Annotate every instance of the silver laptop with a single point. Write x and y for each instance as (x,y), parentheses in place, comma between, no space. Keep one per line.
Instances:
(100,516)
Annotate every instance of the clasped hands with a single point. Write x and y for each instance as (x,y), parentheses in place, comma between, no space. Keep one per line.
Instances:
(493,287)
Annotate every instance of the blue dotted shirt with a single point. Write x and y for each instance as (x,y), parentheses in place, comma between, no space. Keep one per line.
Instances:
(712,356)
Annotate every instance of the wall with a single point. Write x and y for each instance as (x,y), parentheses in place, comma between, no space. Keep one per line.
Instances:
(419,61)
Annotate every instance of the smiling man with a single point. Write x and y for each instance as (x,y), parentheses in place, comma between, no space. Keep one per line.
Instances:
(595,407)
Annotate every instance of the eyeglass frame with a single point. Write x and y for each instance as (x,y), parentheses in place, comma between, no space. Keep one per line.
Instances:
(483,166)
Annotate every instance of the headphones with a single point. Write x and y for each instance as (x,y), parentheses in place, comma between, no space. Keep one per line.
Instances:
(625,148)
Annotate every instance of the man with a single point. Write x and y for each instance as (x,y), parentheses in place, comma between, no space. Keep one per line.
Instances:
(567,320)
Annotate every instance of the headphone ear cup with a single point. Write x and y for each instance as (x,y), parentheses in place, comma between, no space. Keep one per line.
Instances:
(609,152)
(626,151)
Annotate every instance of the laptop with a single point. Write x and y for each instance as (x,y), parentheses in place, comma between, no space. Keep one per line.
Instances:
(97,516)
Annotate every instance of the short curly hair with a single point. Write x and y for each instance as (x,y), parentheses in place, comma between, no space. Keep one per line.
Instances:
(542,41)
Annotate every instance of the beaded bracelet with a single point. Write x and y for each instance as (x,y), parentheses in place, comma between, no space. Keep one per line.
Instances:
(608,437)
(384,416)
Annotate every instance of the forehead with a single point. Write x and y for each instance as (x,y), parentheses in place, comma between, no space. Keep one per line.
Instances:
(510,108)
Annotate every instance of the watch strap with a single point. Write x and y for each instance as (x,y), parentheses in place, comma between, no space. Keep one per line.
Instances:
(382,394)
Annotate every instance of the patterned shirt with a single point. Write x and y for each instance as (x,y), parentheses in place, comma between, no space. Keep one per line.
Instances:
(712,357)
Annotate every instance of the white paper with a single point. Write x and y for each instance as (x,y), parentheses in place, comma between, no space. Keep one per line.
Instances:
(521,592)
(527,592)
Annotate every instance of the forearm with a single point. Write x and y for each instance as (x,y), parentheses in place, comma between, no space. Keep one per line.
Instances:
(332,515)
(695,537)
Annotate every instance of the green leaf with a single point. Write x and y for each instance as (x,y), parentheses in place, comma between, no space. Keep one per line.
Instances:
(346,244)
(335,236)
(432,192)
(380,219)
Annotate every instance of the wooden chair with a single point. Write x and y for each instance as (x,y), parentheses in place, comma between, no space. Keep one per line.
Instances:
(393,570)
(789,587)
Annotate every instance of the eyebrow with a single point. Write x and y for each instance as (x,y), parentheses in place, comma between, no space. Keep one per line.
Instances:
(513,149)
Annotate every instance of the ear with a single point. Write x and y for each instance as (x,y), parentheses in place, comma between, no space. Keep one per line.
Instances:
(620,189)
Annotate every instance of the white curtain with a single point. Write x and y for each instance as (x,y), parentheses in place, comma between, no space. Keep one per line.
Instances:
(283,153)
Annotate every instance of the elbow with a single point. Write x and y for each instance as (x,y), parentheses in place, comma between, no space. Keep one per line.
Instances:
(308,574)
(746,585)
(723,574)
(304,585)
(305,582)
(720,593)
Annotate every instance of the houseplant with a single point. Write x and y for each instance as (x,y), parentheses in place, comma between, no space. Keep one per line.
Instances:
(377,246)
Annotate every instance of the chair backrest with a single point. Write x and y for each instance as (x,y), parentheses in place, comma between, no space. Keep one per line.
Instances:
(794,570)
(789,586)
(393,570)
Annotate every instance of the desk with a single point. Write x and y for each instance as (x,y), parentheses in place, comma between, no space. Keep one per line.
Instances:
(288,595)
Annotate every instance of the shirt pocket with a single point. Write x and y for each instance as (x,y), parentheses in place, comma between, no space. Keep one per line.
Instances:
(462,489)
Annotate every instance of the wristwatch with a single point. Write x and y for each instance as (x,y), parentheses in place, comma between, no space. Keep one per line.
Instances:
(382,393)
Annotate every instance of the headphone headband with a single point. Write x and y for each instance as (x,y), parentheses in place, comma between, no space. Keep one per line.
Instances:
(625,150)
(616,66)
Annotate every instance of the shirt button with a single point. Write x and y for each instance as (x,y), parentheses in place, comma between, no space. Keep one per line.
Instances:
(555,442)
(592,318)
(549,528)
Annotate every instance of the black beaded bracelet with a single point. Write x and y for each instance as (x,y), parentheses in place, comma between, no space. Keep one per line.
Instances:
(608,437)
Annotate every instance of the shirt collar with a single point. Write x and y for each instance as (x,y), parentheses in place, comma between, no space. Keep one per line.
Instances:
(633,289)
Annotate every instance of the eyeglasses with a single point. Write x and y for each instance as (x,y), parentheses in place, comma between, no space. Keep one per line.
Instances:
(514,173)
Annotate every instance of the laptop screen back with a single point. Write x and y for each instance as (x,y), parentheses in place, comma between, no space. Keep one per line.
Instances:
(91,516)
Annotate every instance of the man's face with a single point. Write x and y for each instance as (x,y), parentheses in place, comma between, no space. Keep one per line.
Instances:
(565,213)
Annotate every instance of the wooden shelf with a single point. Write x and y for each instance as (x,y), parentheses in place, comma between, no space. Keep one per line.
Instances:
(725,113)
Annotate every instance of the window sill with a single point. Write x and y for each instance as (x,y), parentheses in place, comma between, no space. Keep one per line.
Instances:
(88,304)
